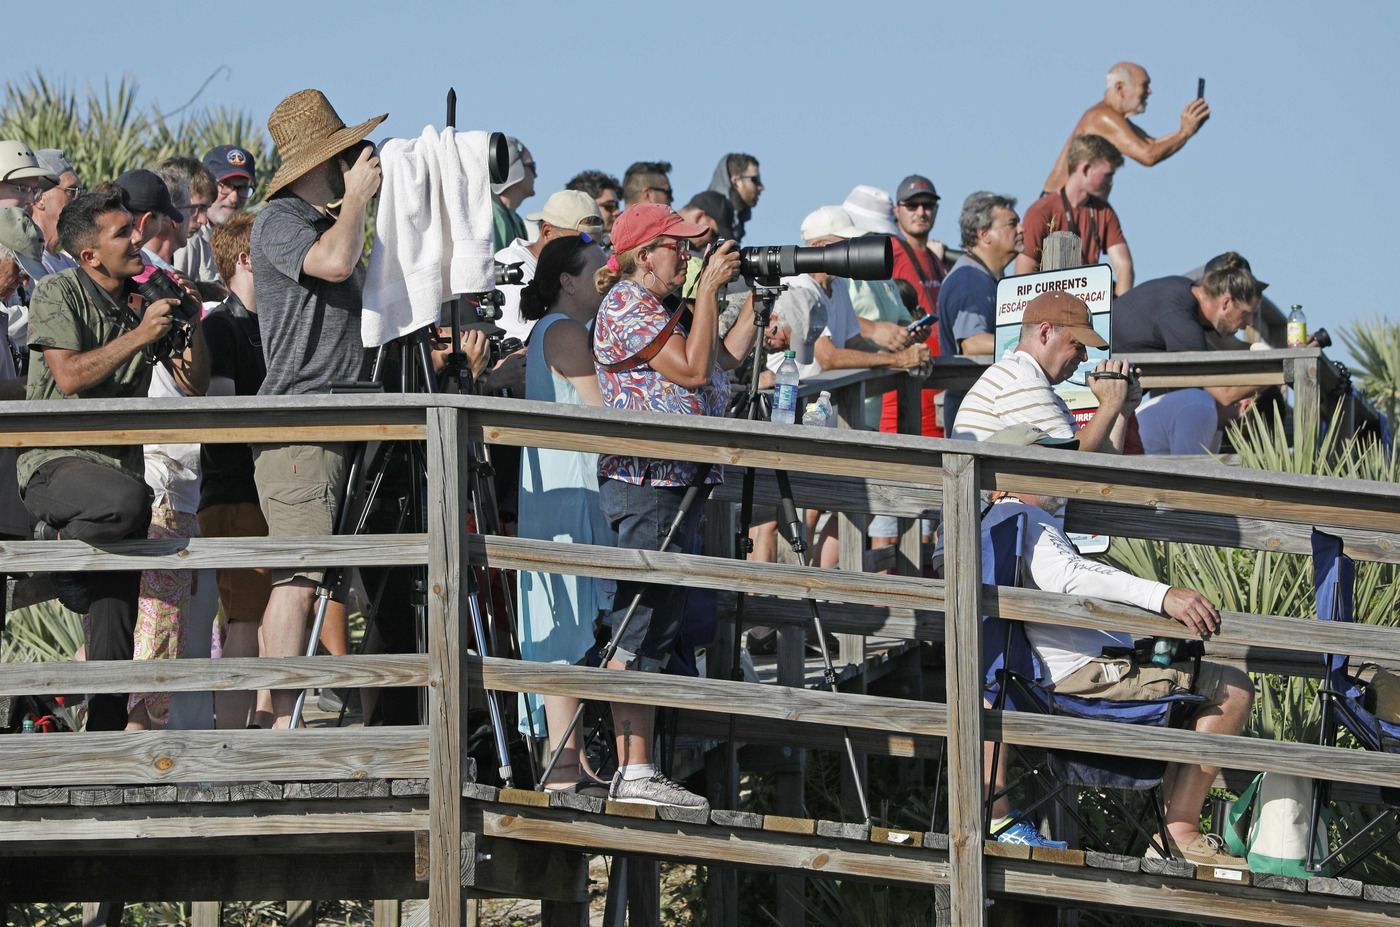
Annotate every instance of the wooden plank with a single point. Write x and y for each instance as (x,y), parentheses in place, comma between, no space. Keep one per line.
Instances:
(254,791)
(209,914)
(1096,860)
(110,824)
(765,850)
(1307,414)
(628,809)
(448,477)
(229,673)
(208,877)
(123,757)
(724,817)
(305,790)
(1248,533)
(1280,883)
(1058,856)
(1341,888)
(43,796)
(853,495)
(1221,874)
(210,553)
(963,544)
(363,788)
(788,825)
(1381,894)
(841,830)
(1240,629)
(902,838)
(1186,899)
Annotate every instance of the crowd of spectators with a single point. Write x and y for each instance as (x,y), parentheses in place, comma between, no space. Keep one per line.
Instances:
(623,301)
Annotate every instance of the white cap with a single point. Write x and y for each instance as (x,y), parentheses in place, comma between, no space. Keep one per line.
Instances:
(828,222)
(871,209)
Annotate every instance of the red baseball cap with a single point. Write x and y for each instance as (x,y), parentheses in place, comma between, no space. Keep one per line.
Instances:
(645,221)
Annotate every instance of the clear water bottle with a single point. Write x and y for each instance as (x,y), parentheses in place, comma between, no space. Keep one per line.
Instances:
(27,726)
(1297,328)
(813,415)
(828,410)
(785,390)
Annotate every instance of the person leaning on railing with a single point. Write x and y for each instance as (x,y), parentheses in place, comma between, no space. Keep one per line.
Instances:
(559,489)
(654,358)
(87,343)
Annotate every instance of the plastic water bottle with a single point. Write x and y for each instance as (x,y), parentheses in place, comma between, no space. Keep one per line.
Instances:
(1297,328)
(814,415)
(828,410)
(785,390)
(27,726)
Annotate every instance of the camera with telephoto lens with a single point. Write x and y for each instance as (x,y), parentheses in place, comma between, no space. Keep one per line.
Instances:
(867,258)
(155,284)
(509,274)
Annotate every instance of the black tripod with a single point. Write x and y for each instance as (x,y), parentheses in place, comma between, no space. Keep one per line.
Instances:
(751,406)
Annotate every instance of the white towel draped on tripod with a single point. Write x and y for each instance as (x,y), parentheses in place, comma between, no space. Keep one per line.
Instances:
(432,232)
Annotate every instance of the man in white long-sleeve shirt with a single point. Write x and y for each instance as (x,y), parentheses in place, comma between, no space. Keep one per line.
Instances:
(1076,662)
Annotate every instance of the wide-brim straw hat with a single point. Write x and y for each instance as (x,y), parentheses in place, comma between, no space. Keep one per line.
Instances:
(306,130)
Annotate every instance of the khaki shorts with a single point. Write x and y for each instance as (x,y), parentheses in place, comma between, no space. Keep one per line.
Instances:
(1121,679)
(299,486)
(243,592)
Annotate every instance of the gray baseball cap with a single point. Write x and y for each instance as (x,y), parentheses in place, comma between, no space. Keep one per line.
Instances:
(19,233)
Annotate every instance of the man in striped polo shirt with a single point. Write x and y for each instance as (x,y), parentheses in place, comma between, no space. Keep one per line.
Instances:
(1055,331)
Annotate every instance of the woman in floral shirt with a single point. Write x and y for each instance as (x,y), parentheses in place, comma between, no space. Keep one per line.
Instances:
(654,358)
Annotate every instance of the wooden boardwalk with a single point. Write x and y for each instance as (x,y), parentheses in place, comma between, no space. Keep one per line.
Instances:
(81,814)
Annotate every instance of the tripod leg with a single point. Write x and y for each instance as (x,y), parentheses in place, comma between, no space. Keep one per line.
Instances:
(323,598)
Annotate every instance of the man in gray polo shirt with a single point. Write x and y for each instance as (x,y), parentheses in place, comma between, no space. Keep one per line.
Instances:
(308,278)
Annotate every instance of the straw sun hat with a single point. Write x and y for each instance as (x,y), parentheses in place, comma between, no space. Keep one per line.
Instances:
(307,131)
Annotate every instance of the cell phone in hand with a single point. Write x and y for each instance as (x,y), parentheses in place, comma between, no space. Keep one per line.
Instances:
(920,323)
(1200,88)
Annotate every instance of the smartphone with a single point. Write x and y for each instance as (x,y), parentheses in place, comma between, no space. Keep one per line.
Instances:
(1200,88)
(920,323)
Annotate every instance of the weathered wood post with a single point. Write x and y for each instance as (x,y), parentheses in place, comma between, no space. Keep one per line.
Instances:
(447,661)
(963,641)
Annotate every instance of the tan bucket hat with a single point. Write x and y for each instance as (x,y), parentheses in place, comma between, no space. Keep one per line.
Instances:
(306,130)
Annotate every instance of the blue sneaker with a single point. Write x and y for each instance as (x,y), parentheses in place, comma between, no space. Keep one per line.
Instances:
(1024,833)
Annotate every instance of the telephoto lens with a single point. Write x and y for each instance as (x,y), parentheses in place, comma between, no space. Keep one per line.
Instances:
(867,258)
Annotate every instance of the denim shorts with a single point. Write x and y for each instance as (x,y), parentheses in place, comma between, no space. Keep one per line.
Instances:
(641,515)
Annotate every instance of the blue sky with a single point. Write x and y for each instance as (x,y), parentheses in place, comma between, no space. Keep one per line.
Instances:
(1291,170)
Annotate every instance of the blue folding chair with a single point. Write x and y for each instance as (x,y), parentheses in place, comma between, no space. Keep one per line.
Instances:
(1013,676)
(1346,701)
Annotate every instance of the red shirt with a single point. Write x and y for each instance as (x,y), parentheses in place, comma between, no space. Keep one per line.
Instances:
(1095,223)
(926,280)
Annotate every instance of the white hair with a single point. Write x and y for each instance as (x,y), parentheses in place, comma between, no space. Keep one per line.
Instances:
(1118,72)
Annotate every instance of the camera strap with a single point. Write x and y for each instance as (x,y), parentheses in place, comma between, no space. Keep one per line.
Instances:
(928,282)
(647,353)
(123,313)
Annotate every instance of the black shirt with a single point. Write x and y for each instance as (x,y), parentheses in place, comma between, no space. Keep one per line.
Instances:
(1159,315)
(235,351)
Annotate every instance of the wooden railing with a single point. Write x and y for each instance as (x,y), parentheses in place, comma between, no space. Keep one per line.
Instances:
(903,474)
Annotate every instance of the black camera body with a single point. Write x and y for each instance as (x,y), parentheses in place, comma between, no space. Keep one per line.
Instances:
(155,284)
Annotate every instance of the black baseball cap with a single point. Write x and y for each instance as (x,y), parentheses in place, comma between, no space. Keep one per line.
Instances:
(146,192)
(231,161)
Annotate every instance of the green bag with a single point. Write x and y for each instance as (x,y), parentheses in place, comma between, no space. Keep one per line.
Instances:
(1268,826)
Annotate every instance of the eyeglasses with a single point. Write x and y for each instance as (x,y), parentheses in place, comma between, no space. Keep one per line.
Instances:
(680,246)
(242,189)
(608,205)
(666,192)
(191,208)
(15,188)
(73,192)
(755,179)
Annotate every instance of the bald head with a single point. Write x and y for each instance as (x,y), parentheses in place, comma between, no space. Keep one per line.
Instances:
(1128,88)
